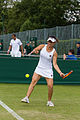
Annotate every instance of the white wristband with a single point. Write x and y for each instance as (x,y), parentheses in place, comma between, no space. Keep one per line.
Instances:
(60,73)
(8,50)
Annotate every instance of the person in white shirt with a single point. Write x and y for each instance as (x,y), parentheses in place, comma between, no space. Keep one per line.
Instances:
(48,56)
(15,45)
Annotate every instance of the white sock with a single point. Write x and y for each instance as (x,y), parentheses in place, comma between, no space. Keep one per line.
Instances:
(26,97)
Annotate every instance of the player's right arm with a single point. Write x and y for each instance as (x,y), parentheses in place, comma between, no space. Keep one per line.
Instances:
(37,49)
(56,65)
(9,49)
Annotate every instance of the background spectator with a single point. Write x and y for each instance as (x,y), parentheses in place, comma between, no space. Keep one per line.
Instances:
(15,45)
(1,46)
(70,56)
(78,49)
(28,48)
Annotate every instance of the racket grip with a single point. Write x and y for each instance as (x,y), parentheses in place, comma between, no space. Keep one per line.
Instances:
(67,74)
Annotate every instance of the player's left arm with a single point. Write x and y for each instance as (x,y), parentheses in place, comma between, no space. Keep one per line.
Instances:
(22,50)
(55,64)
(37,49)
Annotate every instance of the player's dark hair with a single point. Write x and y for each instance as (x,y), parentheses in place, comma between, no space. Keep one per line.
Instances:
(72,51)
(14,35)
(54,38)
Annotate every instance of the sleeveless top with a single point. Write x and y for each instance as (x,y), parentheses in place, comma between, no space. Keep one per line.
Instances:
(45,61)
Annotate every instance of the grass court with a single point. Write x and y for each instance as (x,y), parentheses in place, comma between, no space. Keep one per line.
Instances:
(66,99)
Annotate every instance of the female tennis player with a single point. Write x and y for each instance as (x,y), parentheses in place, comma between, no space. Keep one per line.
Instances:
(48,55)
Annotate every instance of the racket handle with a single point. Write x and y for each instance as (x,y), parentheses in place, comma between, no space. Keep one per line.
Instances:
(67,74)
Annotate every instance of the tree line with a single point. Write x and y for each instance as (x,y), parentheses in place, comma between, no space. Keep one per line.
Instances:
(22,15)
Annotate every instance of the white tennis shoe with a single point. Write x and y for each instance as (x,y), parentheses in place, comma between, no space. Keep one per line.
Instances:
(49,103)
(26,100)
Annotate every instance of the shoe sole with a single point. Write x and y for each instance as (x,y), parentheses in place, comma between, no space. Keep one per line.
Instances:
(50,106)
(24,101)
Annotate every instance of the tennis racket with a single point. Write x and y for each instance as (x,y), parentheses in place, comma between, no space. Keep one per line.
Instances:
(67,74)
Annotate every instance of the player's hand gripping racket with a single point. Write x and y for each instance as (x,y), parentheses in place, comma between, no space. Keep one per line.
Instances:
(67,74)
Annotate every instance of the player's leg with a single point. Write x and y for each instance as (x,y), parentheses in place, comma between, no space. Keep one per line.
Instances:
(50,91)
(50,88)
(35,79)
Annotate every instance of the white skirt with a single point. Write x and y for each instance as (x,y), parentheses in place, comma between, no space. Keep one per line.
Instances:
(48,73)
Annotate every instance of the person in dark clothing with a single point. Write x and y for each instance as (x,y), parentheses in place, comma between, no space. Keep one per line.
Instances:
(28,48)
(78,48)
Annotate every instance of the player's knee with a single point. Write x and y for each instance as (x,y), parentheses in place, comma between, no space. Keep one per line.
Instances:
(33,82)
(50,86)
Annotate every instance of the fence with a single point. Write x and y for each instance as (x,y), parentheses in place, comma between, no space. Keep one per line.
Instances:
(68,36)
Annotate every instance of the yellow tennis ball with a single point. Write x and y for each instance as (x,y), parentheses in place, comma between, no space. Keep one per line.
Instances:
(27,75)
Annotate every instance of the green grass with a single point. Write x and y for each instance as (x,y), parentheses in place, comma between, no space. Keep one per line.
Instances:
(66,99)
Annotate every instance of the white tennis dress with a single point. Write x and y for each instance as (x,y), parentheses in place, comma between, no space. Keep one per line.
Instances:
(44,67)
